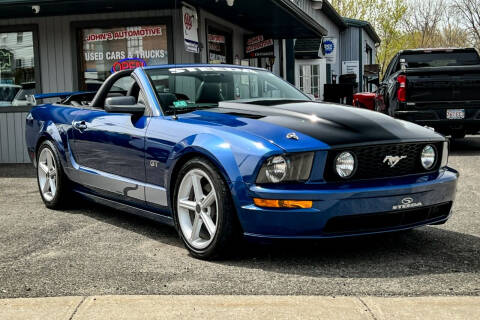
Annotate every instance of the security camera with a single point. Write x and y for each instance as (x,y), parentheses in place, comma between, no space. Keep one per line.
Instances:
(35,9)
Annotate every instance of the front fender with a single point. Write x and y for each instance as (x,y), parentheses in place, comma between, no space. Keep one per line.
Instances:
(235,158)
(213,148)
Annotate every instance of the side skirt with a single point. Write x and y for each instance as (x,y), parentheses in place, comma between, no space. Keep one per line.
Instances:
(126,208)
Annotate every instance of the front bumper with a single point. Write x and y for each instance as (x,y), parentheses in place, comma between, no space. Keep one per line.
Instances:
(352,209)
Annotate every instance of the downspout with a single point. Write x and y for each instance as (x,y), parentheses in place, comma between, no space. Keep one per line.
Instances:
(360,59)
(284,60)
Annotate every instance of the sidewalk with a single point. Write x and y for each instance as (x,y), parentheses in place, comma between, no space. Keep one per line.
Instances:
(240,307)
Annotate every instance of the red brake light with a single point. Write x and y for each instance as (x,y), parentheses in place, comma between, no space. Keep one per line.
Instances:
(402,88)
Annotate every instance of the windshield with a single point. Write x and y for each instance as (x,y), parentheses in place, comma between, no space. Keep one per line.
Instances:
(183,89)
(441,59)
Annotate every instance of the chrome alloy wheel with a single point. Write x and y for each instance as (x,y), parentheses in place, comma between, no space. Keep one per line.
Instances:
(197,209)
(47,174)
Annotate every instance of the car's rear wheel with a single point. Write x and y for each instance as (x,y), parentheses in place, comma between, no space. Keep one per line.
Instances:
(203,211)
(52,182)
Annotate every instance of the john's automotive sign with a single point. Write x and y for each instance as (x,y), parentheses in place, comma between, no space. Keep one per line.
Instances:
(124,34)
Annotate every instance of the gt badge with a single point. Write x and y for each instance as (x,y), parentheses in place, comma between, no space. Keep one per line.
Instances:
(153,163)
(393,160)
(407,203)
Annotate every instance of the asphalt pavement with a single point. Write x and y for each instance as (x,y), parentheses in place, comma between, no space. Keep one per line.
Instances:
(90,250)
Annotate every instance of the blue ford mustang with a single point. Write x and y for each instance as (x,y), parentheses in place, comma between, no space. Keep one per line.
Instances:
(221,151)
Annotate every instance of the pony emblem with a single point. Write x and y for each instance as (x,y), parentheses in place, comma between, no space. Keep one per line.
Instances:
(393,160)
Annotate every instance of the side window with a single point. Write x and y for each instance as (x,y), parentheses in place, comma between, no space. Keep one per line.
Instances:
(142,99)
(389,68)
(122,85)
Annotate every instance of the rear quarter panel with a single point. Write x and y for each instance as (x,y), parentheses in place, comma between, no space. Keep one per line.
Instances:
(52,122)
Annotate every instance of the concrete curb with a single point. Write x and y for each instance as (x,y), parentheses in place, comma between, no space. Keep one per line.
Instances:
(239,307)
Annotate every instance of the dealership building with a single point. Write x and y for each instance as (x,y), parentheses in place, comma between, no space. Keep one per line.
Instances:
(51,46)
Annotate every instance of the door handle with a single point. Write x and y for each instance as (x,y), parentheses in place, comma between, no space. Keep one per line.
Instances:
(79,125)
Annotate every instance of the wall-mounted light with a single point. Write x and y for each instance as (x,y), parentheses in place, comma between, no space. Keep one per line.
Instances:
(230,3)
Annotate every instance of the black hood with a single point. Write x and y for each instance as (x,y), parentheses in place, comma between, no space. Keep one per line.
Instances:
(331,123)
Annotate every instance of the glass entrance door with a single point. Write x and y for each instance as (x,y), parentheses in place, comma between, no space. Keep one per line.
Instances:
(310,78)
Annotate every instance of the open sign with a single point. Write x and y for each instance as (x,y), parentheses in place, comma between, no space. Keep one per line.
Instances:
(128,63)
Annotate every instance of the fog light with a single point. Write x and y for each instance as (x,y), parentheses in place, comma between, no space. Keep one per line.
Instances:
(428,157)
(290,204)
(345,164)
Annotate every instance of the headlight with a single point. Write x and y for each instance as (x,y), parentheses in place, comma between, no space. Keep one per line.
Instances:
(428,157)
(345,164)
(444,155)
(286,168)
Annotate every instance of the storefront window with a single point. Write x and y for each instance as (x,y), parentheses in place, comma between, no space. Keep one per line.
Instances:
(219,46)
(17,68)
(108,50)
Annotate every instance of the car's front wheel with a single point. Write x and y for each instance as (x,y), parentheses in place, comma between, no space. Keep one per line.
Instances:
(204,214)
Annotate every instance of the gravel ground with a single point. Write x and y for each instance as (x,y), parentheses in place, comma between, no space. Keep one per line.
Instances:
(93,250)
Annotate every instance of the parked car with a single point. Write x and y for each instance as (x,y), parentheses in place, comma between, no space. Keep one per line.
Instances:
(7,94)
(223,151)
(438,88)
(23,96)
(364,100)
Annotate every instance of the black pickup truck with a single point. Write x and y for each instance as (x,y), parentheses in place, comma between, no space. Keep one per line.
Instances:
(439,88)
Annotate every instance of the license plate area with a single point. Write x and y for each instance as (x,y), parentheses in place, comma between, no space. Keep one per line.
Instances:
(455,114)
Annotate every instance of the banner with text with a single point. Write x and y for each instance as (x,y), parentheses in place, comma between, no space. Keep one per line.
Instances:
(190,29)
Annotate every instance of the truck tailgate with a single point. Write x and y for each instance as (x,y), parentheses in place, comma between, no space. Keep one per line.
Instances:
(444,84)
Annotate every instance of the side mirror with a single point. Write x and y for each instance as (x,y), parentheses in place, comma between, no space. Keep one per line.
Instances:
(123,104)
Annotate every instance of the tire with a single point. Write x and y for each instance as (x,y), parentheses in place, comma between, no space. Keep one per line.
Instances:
(206,199)
(52,182)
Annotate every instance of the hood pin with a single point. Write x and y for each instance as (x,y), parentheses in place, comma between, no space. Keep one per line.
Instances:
(292,135)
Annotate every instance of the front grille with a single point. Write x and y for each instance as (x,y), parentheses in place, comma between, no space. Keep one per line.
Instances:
(386,220)
(371,165)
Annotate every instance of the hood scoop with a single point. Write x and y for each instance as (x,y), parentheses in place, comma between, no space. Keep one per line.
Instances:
(245,115)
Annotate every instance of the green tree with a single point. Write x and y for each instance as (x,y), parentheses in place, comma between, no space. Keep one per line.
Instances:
(386,16)
(469,12)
